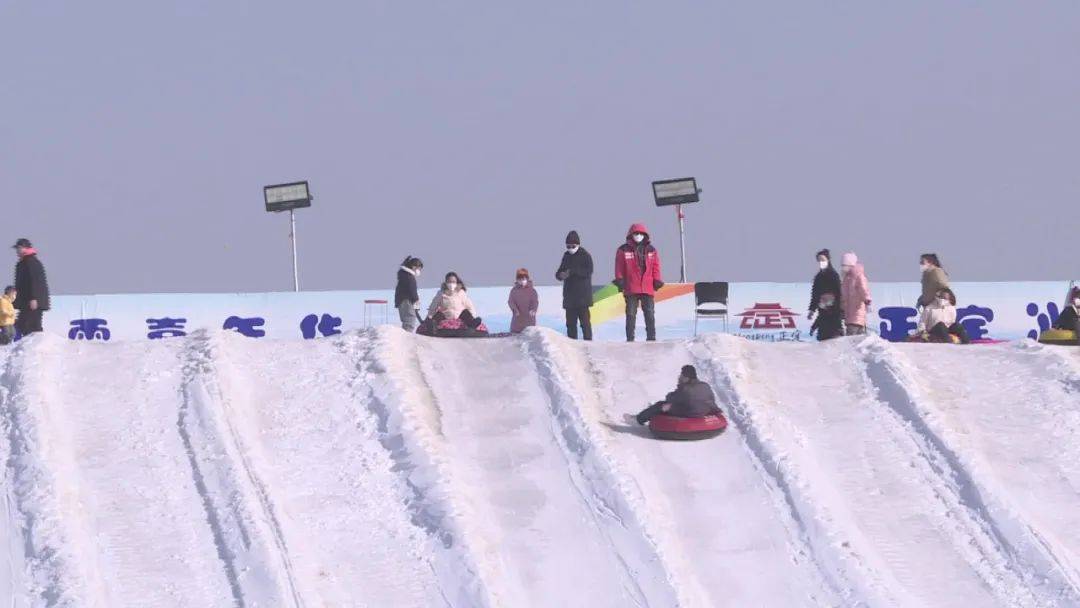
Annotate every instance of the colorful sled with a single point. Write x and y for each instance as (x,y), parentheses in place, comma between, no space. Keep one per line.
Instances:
(451,328)
(663,426)
(1058,337)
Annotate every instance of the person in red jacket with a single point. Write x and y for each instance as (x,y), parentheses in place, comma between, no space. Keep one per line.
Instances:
(637,275)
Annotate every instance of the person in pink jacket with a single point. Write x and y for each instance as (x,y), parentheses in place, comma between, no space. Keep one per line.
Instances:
(523,302)
(854,294)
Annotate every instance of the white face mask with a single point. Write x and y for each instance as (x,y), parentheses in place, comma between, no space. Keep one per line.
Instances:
(825,304)
(639,237)
(1076,302)
(571,249)
(523,282)
(943,302)
(451,286)
(924,267)
(823,264)
(416,271)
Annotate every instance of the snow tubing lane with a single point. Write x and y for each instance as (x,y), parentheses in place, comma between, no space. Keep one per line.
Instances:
(663,426)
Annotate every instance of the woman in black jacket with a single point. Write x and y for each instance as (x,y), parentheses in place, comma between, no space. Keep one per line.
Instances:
(575,271)
(406,298)
(827,280)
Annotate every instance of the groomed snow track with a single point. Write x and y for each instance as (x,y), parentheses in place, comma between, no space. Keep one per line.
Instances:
(379,468)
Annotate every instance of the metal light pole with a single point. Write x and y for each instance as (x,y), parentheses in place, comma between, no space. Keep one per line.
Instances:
(292,237)
(677,192)
(289,197)
(682,242)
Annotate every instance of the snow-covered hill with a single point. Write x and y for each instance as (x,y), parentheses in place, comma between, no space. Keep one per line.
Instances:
(383,469)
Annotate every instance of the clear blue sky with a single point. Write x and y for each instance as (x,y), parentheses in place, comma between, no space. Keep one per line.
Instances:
(135,137)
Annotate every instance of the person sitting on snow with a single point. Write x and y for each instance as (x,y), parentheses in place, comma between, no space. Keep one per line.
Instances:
(1070,314)
(937,323)
(829,323)
(453,302)
(691,398)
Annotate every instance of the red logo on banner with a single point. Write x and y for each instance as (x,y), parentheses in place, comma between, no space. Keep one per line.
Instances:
(770,315)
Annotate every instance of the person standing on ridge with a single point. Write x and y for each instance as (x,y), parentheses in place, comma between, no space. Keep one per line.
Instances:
(575,271)
(854,294)
(827,280)
(7,316)
(637,275)
(523,302)
(406,297)
(934,278)
(31,287)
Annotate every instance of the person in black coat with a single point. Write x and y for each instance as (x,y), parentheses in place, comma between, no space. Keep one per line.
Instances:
(691,398)
(32,289)
(575,272)
(827,280)
(829,323)
(1069,319)
(406,297)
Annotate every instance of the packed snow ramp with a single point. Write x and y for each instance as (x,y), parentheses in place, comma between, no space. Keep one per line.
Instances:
(385,469)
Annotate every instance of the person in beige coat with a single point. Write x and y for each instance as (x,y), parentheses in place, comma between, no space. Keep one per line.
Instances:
(934,278)
(452,299)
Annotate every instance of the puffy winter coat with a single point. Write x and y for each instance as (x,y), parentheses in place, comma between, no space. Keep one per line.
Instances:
(934,279)
(451,305)
(693,399)
(577,286)
(855,295)
(7,312)
(1069,318)
(31,283)
(406,287)
(524,301)
(637,265)
(935,313)
(826,281)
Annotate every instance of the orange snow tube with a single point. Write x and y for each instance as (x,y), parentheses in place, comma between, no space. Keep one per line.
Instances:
(663,426)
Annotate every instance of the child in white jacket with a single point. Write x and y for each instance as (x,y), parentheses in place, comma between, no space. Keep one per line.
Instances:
(452,299)
(938,319)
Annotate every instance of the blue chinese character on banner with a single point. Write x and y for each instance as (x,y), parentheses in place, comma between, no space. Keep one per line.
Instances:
(896,324)
(246,326)
(165,327)
(974,319)
(327,325)
(1044,320)
(89,329)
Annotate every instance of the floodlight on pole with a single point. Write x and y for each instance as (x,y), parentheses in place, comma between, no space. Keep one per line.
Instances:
(289,197)
(677,192)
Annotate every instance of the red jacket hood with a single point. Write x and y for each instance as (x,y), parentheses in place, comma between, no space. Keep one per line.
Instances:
(639,227)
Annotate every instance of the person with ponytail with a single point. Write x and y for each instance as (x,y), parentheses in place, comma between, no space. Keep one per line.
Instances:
(406,297)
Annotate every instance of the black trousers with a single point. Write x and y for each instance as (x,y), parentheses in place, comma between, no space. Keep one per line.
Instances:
(575,316)
(648,413)
(941,333)
(648,305)
(29,321)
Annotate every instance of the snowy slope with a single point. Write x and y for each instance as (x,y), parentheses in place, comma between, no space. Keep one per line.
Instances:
(379,468)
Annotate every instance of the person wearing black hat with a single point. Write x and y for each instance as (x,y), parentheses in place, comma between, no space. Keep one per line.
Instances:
(31,287)
(576,272)
(691,398)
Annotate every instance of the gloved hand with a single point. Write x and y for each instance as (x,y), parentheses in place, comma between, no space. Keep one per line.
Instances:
(619,284)
(416,305)
(657,285)
(561,275)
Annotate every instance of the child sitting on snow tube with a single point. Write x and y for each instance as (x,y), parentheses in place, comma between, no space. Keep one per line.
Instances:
(1066,329)
(937,323)
(452,313)
(688,412)
(1069,320)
